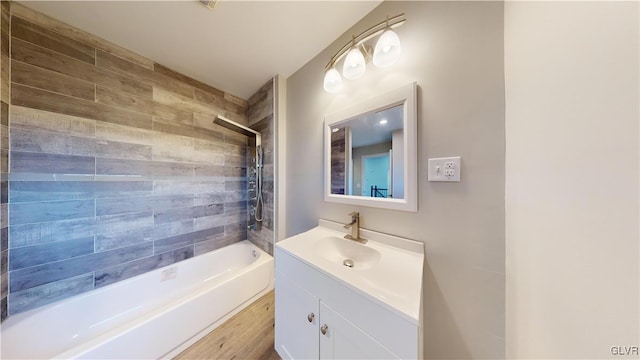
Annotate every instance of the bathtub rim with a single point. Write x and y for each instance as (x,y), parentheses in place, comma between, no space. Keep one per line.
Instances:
(268,260)
(95,342)
(204,332)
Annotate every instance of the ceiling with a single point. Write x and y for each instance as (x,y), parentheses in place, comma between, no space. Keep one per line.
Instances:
(374,127)
(236,47)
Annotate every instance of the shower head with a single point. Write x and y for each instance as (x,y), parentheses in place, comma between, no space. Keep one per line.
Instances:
(239,128)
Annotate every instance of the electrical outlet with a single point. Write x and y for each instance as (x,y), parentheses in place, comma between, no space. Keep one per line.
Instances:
(445,169)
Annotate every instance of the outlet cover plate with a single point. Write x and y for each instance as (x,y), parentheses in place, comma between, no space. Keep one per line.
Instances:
(445,169)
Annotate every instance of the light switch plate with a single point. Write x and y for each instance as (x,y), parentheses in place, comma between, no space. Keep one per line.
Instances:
(445,169)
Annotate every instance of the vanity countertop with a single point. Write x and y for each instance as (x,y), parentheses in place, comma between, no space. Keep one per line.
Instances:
(386,268)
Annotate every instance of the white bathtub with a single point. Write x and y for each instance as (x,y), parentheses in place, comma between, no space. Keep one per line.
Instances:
(154,315)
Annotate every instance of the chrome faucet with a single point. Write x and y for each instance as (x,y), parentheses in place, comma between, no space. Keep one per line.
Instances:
(355,228)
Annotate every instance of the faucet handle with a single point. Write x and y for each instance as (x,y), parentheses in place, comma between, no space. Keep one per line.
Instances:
(355,213)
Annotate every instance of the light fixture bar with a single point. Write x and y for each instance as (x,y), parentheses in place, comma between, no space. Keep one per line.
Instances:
(209,4)
(377,29)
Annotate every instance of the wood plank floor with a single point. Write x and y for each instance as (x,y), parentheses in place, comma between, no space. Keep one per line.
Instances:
(247,335)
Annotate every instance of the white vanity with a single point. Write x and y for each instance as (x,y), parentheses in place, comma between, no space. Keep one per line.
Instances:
(342,299)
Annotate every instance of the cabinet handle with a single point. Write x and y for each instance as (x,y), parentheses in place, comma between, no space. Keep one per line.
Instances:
(310,317)
(324,329)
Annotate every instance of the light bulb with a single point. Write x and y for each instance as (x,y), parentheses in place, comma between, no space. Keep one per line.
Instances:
(354,65)
(387,49)
(332,81)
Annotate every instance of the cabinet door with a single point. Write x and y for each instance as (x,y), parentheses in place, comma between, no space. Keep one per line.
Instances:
(297,319)
(343,340)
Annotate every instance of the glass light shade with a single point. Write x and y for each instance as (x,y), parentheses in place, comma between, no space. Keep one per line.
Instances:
(354,64)
(332,81)
(387,49)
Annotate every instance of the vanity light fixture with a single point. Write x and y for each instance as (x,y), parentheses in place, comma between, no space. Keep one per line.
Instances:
(387,49)
(357,53)
(383,122)
(332,80)
(354,64)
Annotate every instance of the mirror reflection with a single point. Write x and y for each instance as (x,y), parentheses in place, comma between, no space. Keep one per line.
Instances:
(367,155)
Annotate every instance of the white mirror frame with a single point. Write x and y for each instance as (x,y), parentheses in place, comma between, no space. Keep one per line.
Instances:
(407,96)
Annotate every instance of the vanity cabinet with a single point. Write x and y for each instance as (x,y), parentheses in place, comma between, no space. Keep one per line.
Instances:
(341,339)
(319,317)
(297,319)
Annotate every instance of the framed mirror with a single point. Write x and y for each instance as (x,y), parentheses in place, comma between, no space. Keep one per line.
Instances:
(370,152)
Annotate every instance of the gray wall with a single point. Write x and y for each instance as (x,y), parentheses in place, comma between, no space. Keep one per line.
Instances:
(454,50)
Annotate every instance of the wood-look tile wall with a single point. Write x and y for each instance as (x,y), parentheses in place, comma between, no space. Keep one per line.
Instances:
(4,154)
(115,166)
(338,161)
(260,114)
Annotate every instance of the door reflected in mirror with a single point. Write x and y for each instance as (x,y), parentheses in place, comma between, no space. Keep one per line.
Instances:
(367,155)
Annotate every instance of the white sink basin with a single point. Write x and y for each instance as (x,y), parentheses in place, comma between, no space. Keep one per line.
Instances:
(338,249)
(386,268)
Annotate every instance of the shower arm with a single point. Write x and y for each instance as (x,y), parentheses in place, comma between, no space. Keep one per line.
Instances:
(239,128)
